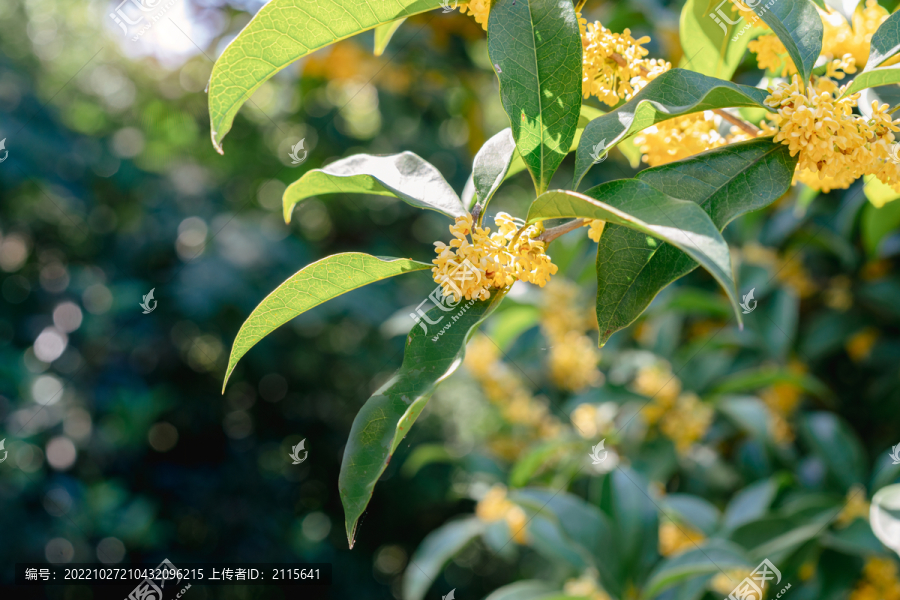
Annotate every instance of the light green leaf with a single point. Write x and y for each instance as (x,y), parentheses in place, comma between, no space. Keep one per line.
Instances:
(284,31)
(536,458)
(672,94)
(694,510)
(837,445)
(638,205)
(873,78)
(436,550)
(750,503)
(491,165)
(537,45)
(707,42)
(383,35)
(384,420)
(799,27)
(885,42)
(754,379)
(310,286)
(713,556)
(725,183)
(406,176)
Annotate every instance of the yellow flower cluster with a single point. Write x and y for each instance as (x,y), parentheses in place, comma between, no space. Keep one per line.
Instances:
(573,355)
(830,140)
(596,228)
(860,344)
(495,506)
(585,586)
(771,54)
(592,420)
(782,400)
(614,66)
(682,417)
(471,268)
(855,507)
(879,581)
(674,538)
(682,137)
(840,38)
(479,9)
(506,391)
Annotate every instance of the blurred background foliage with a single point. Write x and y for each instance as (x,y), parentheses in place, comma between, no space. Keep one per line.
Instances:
(122,449)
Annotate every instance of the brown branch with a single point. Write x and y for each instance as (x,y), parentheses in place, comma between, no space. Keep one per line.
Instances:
(737,122)
(554,232)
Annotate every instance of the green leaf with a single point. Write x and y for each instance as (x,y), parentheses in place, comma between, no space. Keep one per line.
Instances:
(751,380)
(435,551)
(424,455)
(694,510)
(383,35)
(708,48)
(873,78)
(537,45)
(625,498)
(284,31)
(799,27)
(650,211)
(836,443)
(310,286)
(749,504)
(725,183)
(406,176)
(384,420)
(536,458)
(711,557)
(528,589)
(885,42)
(491,165)
(673,94)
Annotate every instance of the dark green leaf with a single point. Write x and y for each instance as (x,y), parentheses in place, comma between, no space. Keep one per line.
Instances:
(310,286)
(837,445)
(885,42)
(672,94)
(656,215)
(436,550)
(384,420)
(405,176)
(712,557)
(725,182)
(537,46)
(383,35)
(799,27)
(693,510)
(284,31)
(750,503)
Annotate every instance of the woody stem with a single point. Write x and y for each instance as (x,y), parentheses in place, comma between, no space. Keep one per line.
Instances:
(737,122)
(554,232)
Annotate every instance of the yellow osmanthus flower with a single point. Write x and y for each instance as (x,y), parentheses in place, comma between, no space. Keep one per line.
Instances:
(830,140)
(596,228)
(657,382)
(772,55)
(674,538)
(840,38)
(495,506)
(471,268)
(614,66)
(573,355)
(838,295)
(879,581)
(724,583)
(682,137)
(479,9)
(855,507)
(592,420)
(585,586)
(860,344)
(782,400)
(687,422)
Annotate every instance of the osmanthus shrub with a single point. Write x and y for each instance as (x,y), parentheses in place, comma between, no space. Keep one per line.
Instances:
(651,229)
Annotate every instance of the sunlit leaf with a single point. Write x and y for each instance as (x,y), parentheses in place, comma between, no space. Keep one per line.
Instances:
(383,35)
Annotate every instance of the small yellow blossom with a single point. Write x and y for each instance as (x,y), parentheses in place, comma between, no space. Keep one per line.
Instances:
(772,55)
(479,9)
(856,507)
(658,382)
(573,355)
(596,228)
(682,137)
(495,506)
(724,583)
(470,269)
(860,344)
(675,538)
(585,586)
(879,581)
(591,420)
(687,422)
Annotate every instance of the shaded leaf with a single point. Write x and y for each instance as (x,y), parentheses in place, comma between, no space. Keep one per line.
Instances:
(712,557)
(284,31)
(637,205)
(750,503)
(837,445)
(885,42)
(725,183)
(435,551)
(406,176)
(537,45)
(310,286)
(386,417)
(672,94)
(799,27)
